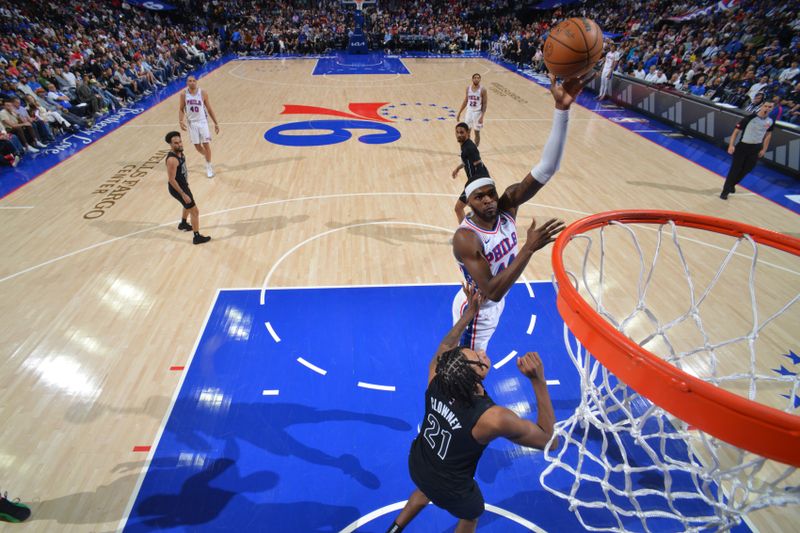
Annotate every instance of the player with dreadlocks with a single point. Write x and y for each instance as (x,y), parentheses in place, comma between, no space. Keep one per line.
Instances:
(461,420)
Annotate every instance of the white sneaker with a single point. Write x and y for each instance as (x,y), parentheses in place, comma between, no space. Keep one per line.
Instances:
(40,145)
(209,170)
(31,149)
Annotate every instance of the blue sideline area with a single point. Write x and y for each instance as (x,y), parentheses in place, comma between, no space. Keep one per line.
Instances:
(765,181)
(259,440)
(34,165)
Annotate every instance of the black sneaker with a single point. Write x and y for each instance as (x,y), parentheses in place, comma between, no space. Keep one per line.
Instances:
(13,511)
(200,239)
(724,196)
(184,226)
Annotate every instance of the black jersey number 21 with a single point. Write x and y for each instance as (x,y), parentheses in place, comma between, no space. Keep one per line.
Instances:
(436,436)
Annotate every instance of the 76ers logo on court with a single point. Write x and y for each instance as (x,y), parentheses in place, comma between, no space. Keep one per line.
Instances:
(362,116)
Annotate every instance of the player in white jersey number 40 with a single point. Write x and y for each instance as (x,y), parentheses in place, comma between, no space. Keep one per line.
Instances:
(195,108)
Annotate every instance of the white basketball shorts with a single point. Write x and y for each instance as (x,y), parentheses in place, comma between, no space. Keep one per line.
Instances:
(481,329)
(199,132)
(472,119)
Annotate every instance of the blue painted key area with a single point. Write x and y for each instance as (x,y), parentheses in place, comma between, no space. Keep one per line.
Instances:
(271,430)
(372,63)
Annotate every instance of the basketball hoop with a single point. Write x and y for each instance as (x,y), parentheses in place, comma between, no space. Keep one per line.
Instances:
(359,4)
(649,404)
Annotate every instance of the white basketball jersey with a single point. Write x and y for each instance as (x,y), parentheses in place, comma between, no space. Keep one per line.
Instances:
(499,245)
(195,108)
(474,99)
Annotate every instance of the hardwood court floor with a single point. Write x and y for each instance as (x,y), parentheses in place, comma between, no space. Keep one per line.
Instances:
(97,310)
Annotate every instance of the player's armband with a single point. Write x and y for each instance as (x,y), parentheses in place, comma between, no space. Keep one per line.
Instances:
(554,148)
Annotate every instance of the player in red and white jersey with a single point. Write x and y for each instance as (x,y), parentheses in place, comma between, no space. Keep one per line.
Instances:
(195,109)
(475,101)
(486,245)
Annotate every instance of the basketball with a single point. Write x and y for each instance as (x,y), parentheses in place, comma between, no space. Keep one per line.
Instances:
(573,47)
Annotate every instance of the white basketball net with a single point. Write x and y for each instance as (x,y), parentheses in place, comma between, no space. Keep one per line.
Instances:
(625,464)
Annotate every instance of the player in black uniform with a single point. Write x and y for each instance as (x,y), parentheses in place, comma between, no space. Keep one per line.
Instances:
(178,186)
(460,421)
(470,162)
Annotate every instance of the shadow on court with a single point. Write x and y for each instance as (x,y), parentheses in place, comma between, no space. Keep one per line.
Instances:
(390,231)
(662,186)
(240,228)
(266,426)
(217,489)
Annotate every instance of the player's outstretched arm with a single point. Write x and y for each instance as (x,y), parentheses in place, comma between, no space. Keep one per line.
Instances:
(474,301)
(502,422)
(563,95)
(467,248)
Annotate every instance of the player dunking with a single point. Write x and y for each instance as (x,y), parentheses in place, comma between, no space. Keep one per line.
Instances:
(178,179)
(475,101)
(470,162)
(485,244)
(460,421)
(195,108)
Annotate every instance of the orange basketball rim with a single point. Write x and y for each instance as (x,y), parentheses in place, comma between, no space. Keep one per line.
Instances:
(747,424)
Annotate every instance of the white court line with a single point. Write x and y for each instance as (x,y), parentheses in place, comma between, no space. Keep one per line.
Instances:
(528,285)
(358,83)
(373,386)
(270,392)
(167,414)
(272,332)
(315,368)
(368,286)
(504,360)
(330,196)
(553,382)
(532,324)
(588,119)
(377,513)
(221,124)
(299,245)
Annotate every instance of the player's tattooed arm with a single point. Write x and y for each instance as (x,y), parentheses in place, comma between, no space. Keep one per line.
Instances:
(468,250)
(474,301)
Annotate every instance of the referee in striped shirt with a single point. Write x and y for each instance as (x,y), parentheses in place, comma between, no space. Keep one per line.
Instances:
(756,131)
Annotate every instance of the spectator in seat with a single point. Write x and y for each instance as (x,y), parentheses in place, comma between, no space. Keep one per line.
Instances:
(12,122)
(43,131)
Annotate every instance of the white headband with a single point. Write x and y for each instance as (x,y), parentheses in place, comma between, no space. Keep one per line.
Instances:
(472,186)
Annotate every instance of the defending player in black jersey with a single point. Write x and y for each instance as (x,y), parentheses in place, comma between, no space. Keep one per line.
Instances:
(460,421)
(470,162)
(178,178)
